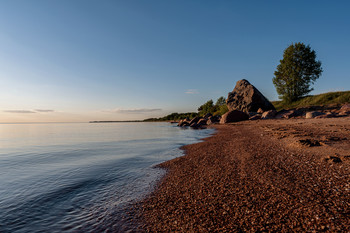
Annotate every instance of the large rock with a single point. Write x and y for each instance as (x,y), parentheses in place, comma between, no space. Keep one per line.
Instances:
(234,116)
(245,97)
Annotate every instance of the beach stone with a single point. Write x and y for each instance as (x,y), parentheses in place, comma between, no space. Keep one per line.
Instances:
(194,120)
(234,116)
(310,115)
(245,97)
(202,121)
(213,120)
(269,114)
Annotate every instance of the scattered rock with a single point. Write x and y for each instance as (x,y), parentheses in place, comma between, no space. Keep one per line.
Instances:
(289,113)
(234,116)
(269,114)
(314,114)
(245,97)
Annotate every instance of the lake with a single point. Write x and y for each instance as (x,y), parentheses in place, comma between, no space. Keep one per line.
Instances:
(81,177)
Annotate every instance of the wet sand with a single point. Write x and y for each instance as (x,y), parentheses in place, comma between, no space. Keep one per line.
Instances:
(268,175)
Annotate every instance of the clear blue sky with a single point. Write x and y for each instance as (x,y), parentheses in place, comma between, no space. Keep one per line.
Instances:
(103,60)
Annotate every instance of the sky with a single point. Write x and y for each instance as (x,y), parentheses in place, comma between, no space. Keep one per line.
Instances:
(76,61)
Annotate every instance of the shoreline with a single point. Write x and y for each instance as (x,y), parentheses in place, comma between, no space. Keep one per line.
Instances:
(256,176)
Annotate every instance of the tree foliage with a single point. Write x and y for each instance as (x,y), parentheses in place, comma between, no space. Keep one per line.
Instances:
(219,108)
(296,72)
(206,108)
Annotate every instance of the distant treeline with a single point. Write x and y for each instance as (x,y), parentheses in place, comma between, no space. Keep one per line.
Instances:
(219,108)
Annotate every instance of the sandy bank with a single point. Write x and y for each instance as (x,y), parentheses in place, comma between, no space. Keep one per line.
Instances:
(272,175)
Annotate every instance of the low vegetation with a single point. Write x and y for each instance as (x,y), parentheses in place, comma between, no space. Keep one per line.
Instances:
(219,108)
(335,98)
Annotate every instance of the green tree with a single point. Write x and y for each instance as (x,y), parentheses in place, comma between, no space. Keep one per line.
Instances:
(296,72)
(208,107)
(220,106)
(220,101)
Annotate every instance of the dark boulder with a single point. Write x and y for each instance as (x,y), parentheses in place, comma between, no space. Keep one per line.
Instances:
(194,120)
(234,116)
(213,120)
(202,121)
(245,97)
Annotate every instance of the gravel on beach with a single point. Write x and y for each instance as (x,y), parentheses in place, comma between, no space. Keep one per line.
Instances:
(272,175)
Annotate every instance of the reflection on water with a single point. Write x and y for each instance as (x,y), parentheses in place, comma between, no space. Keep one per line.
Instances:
(80,177)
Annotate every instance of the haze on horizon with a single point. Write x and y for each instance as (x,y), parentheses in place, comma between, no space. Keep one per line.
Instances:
(76,61)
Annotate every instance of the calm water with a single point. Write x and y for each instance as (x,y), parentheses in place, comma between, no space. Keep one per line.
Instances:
(81,177)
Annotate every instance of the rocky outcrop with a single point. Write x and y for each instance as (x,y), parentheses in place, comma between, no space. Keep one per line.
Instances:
(245,97)
(234,116)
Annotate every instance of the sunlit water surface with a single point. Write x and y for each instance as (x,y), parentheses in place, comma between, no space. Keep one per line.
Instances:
(81,177)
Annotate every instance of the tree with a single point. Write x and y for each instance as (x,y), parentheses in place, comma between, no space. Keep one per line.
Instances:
(296,72)
(208,107)
(220,101)
(220,106)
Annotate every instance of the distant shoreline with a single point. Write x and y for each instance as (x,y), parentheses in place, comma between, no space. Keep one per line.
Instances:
(139,121)
(113,121)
